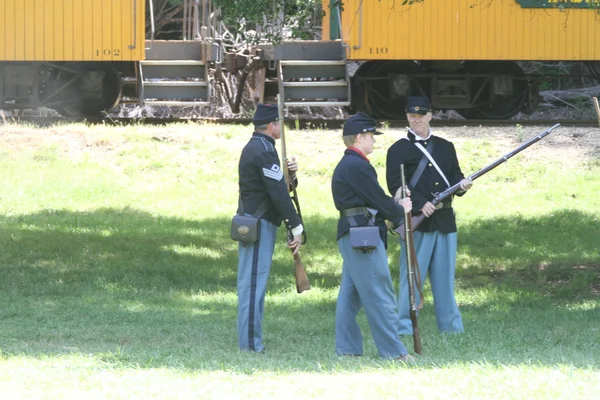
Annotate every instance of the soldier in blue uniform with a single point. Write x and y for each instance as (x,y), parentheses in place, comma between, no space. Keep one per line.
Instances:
(366,280)
(435,239)
(262,186)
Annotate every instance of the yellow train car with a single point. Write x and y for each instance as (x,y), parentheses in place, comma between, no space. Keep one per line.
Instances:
(68,55)
(471,30)
(461,53)
(80,57)
(72,30)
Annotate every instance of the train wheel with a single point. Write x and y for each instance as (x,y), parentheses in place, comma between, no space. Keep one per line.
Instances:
(501,94)
(85,89)
(386,87)
(359,101)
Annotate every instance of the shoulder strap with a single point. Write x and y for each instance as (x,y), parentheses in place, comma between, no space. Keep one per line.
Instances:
(426,153)
(240,204)
(259,212)
(422,164)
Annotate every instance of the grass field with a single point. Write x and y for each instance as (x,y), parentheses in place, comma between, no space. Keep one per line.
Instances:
(117,274)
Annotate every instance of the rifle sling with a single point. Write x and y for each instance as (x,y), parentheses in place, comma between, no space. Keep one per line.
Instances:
(259,212)
(421,167)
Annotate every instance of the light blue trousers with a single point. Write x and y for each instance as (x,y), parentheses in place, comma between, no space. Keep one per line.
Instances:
(366,281)
(254,266)
(436,255)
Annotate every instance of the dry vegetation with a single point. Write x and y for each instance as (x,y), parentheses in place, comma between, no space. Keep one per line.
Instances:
(567,144)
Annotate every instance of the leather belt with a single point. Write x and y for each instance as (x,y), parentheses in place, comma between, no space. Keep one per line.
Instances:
(351,212)
(443,205)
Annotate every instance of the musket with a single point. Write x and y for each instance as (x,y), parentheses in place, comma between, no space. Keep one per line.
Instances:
(302,282)
(439,197)
(414,273)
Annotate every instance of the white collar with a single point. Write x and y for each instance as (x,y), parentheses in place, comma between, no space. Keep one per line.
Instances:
(417,137)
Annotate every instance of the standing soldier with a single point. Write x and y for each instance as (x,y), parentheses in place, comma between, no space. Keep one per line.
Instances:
(431,166)
(263,189)
(366,279)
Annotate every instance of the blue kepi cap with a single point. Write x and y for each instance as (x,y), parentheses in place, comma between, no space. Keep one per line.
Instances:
(264,114)
(360,123)
(418,105)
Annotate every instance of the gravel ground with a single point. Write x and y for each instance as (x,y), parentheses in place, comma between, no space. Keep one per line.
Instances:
(574,144)
(570,144)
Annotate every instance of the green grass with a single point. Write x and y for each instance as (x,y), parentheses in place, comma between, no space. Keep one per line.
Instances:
(117,274)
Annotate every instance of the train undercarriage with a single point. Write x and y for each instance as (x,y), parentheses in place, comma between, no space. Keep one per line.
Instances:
(475,89)
(174,73)
(74,89)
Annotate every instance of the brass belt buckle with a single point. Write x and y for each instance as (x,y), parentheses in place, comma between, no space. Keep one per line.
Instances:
(439,206)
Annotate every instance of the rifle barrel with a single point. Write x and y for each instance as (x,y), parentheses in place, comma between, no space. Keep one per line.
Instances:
(411,264)
(450,191)
(302,282)
(512,153)
(439,197)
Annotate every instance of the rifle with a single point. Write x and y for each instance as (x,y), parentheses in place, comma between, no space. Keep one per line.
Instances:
(439,197)
(414,273)
(302,282)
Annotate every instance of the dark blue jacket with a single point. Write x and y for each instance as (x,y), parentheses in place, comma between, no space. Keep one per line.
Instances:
(261,178)
(354,184)
(405,152)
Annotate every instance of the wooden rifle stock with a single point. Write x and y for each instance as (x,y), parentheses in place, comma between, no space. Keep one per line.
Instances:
(439,197)
(416,333)
(414,275)
(302,282)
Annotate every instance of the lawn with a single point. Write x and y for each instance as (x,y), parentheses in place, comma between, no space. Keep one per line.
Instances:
(118,277)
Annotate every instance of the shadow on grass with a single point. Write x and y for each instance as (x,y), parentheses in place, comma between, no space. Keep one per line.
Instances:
(137,289)
(555,254)
(136,250)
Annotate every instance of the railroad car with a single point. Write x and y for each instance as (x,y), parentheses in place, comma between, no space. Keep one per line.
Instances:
(461,53)
(81,56)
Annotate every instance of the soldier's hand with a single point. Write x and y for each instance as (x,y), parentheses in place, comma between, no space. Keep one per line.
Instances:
(406,203)
(292,165)
(295,244)
(398,195)
(465,184)
(428,209)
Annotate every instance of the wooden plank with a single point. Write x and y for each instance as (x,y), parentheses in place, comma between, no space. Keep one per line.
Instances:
(45,43)
(68,36)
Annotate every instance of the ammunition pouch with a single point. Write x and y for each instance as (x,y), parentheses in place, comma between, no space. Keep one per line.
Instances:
(362,238)
(246,228)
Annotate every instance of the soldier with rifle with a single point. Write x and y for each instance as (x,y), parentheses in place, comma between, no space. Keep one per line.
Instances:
(435,177)
(264,194)
(302,282)
(431,166)
(361,237)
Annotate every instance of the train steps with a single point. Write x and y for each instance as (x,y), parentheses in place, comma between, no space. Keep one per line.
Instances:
(174,73)
(313,74)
